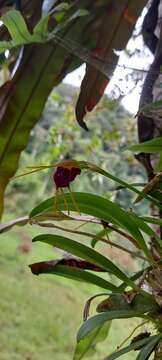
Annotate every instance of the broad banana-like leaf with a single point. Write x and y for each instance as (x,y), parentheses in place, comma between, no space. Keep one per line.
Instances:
(22,99)
(107,26)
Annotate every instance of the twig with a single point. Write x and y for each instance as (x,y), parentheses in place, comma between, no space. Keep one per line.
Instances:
(83,233)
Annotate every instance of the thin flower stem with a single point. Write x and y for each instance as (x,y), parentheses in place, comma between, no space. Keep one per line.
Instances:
(83,233)
(74,201)
(65,201)
(130,335)
(88,304)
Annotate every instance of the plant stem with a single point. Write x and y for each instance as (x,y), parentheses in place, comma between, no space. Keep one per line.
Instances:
(83,233)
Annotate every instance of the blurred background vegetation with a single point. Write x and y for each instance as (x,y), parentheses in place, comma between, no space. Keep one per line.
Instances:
(57,137)
(40,316)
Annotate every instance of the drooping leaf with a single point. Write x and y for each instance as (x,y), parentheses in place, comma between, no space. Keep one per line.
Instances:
(74,274)
(71,261)
(112,34)
(16,26)
(98,207)
(87,346)
(84,252)
(92,323)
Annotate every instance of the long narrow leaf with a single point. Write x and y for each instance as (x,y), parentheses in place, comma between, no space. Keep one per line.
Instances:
(146,229)
(108,175)
(151,146)
(99,207)
(149,348)
(152,220)
(87,345)
(16,26)
(97,320)
(85,253)
(79,275)
(129,348)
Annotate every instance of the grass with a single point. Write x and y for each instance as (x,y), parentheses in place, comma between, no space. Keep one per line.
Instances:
(39,316)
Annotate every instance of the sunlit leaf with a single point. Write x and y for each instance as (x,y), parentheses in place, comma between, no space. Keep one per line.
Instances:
(16,26)
(84,252)
(99,207)
(92,323)
(87,346)
(74,274)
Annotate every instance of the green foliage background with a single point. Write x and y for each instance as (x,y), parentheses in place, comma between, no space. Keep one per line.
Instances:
(57,137)
(54,301)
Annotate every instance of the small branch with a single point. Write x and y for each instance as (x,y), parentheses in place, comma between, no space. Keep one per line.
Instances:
(131,334)
(125,235)
(83,233)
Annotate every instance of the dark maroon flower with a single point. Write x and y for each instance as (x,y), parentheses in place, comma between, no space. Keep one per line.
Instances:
(74,172)
(63,175)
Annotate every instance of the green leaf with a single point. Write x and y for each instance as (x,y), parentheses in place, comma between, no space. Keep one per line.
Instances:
(20,34)
(149,348)
(119,302)
(116,179)
(151,146)
(152,220)
(99,207)
(146,229)
(87,345)
(108,175)
(79,13)
(80,275)
(16,26)
(84,252)
(97,320)
(40,32)
(4,45)
(136,276)
(129,348)
(24,96)
(158,166)
(100,234)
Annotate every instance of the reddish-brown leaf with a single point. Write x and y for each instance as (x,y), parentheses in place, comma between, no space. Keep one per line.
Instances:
(45,266)
(112,32)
